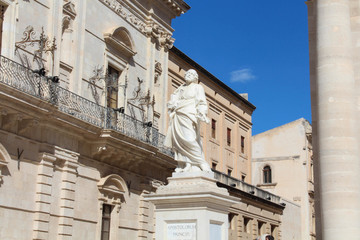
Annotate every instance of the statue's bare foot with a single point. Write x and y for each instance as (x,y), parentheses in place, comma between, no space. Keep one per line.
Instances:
(205,167)
(178,169)
(187,167)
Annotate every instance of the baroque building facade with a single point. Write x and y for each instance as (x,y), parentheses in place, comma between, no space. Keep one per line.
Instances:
(282,164)
(83,92)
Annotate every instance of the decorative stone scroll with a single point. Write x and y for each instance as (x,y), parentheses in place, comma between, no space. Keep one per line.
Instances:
(150,29)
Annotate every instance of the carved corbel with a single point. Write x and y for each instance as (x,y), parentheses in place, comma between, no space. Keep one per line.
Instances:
(66,22)
(151,184)
(27,124)
(11,120)
(103,152)
(166,41)
(3,113)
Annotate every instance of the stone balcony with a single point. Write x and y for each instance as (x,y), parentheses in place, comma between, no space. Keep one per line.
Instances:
(108,135)
(246,188)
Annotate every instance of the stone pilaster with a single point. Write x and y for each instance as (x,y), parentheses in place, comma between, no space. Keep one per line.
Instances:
(144,217)
(67,200)
(335,122)
(43,197)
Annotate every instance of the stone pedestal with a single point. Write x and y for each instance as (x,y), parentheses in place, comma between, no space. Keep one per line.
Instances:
(191,207)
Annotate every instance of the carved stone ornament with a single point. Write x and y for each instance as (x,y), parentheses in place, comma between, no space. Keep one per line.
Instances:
(158,71)
(120,46)
(160,34)
(150,29)
(112,189)
(69,9)
(120,10)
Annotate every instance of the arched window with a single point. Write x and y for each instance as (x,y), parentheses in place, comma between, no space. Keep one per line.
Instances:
(267,174)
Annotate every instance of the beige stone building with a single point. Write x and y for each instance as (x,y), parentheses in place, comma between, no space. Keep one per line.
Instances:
(83,92)
(334,80)
(282,164)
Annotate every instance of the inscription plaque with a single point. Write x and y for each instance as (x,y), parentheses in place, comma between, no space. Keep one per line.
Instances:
(181,231)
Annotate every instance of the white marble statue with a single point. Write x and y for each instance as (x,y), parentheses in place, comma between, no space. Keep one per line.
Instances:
(187,107)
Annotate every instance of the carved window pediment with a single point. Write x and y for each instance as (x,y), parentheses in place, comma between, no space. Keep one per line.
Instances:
(69,9)
(112,186)
(121,41)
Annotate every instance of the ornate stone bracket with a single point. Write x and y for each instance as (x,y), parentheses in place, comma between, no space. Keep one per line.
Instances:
(11,120)
(27,124)
(162,36)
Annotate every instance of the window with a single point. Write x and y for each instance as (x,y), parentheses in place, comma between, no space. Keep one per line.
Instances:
(213,165)
(232,221)
(242,144)
(112,87)
(228,138)
(260,228)
(273,230)
(229,171)
(213,128)
(243,178)
(105,222)
(247,225)
(267,174)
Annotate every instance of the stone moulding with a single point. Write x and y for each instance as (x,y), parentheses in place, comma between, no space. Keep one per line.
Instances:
(120,10)
(112,187)
(4,158)
(148,28)
(120,46)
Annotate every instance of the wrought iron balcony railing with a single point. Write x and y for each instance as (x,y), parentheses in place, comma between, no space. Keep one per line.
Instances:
(25,80)
(245,187)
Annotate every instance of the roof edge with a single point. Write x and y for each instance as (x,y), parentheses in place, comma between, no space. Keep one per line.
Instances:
(179,53)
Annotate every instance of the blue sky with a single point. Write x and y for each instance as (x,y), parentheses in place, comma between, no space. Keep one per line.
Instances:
(258,47)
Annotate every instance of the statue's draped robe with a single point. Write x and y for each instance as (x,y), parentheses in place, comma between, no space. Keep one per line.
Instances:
(187,107)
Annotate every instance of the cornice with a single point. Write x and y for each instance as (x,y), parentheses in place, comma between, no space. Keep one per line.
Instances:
(194,64)
(178,7)
(147,27)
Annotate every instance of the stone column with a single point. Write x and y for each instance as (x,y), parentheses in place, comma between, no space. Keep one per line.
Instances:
(43,197)
(335,123)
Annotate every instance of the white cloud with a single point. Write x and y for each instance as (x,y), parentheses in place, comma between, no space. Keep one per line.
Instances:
(242,75)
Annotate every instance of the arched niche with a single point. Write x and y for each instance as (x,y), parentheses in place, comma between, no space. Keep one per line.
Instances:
(120,39)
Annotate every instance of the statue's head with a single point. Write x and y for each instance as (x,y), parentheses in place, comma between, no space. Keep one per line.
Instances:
(191,76)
